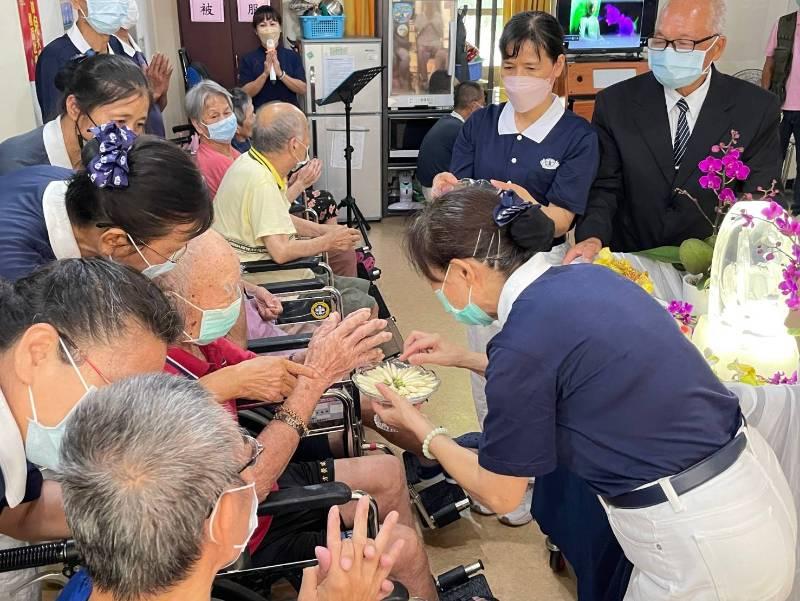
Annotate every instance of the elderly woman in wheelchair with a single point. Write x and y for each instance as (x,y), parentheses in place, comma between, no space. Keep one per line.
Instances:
(204,286)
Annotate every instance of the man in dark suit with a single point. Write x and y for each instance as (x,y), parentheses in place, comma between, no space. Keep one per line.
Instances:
(656,128)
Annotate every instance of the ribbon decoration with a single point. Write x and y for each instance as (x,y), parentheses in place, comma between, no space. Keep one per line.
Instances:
(109,169)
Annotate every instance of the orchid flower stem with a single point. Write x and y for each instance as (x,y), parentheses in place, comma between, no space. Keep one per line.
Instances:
(699,208)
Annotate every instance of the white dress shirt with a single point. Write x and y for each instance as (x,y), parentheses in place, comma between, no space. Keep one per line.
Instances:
(695,100)
(537,131)
(76,37)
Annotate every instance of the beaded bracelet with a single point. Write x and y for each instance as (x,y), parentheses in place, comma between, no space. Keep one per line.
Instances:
(428,439)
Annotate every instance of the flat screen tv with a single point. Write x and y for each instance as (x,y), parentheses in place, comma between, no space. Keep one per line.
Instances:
(607,26)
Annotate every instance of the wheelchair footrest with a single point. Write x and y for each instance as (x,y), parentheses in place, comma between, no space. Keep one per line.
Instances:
(476,587)
(440,504)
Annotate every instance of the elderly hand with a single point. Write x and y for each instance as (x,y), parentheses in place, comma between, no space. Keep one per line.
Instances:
(158,73)
(353,569)
(588,250)
(268,306)
(340,346)
(310,174)
(422,348)
(443,183)
(341,238)
(402,414)
(269,379)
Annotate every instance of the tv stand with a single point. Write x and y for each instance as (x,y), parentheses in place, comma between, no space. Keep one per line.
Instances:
(589,75)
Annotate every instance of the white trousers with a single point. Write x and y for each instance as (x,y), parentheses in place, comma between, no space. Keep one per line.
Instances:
(478,338)
(732,539)
(11,581)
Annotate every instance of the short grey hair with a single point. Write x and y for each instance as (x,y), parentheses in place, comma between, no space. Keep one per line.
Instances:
(196,98)
(719,13)
(273,137)
(143,463)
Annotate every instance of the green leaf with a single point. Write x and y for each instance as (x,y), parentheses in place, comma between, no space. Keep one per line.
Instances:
(662,254)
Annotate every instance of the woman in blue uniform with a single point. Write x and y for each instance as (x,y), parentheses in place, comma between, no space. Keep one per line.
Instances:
(617,395)
(137,201)
(98,89)
(531,140)
(255,68)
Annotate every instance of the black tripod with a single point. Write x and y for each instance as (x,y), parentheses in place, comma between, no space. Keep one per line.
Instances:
(346,93)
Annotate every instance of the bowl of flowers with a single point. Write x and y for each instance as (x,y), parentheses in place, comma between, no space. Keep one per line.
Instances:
(413,382)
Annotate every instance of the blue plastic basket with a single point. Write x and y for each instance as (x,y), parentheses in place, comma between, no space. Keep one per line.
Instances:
(323,28)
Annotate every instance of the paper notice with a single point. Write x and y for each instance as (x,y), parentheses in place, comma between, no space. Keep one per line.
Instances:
(357,141)
(336,70)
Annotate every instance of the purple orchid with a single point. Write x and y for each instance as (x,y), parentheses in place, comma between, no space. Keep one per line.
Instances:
(711,164)
(782,378)
(773,211)
(727,197)
(711,182)
(682,312)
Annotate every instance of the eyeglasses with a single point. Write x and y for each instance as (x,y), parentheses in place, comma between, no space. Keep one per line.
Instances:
(475,183)
(77,352)
(174,257)
(661,44)
(256,448)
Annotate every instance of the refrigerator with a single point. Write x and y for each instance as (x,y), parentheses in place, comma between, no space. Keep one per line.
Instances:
(422,38)
(327,64)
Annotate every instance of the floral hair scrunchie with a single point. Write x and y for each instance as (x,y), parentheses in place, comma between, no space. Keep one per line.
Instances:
(509,208)
(109,169)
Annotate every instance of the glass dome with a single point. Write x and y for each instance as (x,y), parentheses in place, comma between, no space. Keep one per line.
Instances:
(746,311)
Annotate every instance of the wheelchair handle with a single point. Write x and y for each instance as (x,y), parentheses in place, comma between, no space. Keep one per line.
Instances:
(269,265)
(38,556)
(316,496)
(279,344)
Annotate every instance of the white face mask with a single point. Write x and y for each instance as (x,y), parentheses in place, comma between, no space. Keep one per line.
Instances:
(252,525)
(302,163)
(153,271)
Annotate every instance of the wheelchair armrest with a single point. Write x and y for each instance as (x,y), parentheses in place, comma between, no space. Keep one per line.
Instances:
(267,265)
(279,344)
(294,287)
(317,496)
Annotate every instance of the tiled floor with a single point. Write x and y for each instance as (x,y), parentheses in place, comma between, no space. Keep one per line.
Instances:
(515,558)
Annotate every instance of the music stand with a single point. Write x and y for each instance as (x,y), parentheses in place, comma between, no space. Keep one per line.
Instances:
(346,93)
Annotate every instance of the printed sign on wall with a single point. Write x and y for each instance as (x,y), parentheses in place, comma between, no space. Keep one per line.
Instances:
(32,40)
(207,11)
(248,7)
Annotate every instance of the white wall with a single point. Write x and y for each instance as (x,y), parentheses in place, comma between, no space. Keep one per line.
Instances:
(750,23)
(17,114)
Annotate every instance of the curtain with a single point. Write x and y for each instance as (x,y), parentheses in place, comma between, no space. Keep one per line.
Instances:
(360,21)
(512,7)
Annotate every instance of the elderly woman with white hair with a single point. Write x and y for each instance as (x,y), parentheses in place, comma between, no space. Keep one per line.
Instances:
(210,109)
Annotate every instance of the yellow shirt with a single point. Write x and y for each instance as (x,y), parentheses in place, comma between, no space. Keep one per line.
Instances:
(250,205)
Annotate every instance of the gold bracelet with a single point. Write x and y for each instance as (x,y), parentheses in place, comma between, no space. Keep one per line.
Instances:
(291,419)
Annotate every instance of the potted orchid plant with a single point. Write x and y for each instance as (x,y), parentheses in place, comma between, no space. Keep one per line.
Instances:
(722,170)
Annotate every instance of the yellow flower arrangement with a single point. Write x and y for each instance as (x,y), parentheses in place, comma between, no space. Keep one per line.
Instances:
(625,269)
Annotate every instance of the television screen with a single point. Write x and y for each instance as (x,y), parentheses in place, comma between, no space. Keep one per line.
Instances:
(606,25)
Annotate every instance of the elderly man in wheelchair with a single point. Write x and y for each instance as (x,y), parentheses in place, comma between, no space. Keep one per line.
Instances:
(159,490)
(204,286)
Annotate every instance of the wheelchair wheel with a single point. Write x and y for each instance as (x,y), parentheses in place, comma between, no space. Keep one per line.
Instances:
(225,590)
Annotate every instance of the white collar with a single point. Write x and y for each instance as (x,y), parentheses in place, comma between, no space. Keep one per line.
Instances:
(537,131)
(519,281)
(458,116)
(56,219)
(130,49)
(76,37)
(695,100)
(54,144)
(12,456)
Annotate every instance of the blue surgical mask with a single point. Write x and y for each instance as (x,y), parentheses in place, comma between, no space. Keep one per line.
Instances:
(106,16)
(43,443)
(471,315)
(224,130)
(215,323)
(675,70)
(153,271)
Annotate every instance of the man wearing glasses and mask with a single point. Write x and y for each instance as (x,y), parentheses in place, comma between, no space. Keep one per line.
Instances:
(655,129)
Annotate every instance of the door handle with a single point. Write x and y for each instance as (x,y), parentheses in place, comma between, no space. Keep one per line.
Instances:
(236,60)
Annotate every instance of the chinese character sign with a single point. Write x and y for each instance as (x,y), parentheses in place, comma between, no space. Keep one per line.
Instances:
(31,26)
(248,7)
(207,11)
